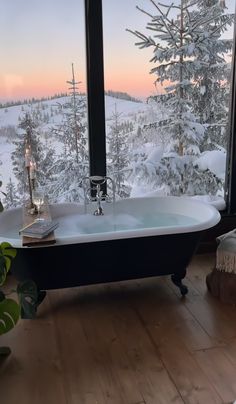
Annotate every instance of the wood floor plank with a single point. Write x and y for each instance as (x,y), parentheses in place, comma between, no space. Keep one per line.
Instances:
(230,350)
(34,367)
(153,380)
(216,318)
(184,370)
(108,349)
(213,317)
(220,371)
(167,311)
(190,380)
(135,342)
(199,268)
(79,367)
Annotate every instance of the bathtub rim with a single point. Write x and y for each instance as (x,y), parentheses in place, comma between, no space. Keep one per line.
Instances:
(211,221)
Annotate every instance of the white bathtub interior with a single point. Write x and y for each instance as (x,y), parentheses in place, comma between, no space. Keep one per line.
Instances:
(134,217)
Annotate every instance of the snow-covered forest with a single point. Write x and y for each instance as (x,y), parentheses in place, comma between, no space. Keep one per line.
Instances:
(174,143)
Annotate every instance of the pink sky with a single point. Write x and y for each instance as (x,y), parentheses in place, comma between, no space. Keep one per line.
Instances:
(40,43)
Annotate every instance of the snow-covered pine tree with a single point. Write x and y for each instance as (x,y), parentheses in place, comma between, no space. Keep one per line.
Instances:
(28,133)
(117,156)
(25,136)
(72,130)
(212,78)
(11,199)
(73,164)
(178,43)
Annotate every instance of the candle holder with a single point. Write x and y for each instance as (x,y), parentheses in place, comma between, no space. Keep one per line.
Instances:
(30,168)
(33,184)
(32,172)
(30,188)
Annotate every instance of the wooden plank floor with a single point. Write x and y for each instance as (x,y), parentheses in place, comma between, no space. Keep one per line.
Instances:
(135,342)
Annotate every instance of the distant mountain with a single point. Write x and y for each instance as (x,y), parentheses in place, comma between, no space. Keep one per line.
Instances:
(28,101)
(121,95)
(48,112)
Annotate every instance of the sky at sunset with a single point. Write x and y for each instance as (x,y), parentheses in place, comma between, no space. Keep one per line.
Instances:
(40,39)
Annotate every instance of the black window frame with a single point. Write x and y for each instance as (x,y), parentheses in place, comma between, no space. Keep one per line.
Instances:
(230,175)
(95,87)
(96,104)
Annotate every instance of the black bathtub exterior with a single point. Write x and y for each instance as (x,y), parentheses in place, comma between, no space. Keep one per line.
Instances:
(66,266)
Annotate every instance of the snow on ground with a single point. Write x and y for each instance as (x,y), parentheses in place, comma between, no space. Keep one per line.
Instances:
(5,157)
(215,200)
(124,107)
(139,191)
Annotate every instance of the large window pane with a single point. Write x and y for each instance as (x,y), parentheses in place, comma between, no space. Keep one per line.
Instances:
(43,98)
(173,141)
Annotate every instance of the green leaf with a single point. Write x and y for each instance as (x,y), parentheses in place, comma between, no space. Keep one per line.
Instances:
(7,250)
(3,270)
(7,253)
(9,315)
(28,297)
(1,207)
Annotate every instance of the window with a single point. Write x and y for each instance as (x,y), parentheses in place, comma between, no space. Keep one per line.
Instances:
(43,98)
(151,139)
(167,131)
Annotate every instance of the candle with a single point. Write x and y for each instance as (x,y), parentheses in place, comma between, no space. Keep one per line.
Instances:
(27,156)
(32,170)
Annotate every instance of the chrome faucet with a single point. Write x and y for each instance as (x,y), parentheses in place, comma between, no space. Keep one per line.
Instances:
(99,193)
(95,184)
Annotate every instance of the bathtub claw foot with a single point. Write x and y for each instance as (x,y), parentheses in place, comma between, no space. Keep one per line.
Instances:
(29,309)
(177,280)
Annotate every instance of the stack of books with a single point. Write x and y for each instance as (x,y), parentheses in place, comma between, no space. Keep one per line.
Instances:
(39,228)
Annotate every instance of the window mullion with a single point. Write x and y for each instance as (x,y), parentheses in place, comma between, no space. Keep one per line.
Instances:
(230,183)
(95,87)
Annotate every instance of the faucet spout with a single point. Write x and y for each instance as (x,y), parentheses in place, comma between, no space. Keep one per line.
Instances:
(98,211)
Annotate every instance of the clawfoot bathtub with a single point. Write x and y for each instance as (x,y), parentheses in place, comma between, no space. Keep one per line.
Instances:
(135,238)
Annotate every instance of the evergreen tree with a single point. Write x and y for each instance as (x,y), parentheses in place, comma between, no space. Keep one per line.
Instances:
(11,198)
(72,165)
(183,37)
(28,134)
(72,130)
(212,80)
(118,154)
(66,180)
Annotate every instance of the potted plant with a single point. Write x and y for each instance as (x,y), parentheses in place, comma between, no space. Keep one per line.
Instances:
(27,295)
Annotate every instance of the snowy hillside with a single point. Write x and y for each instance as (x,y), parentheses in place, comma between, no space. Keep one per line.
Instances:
(138,152)
(10,115)
(50,113)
